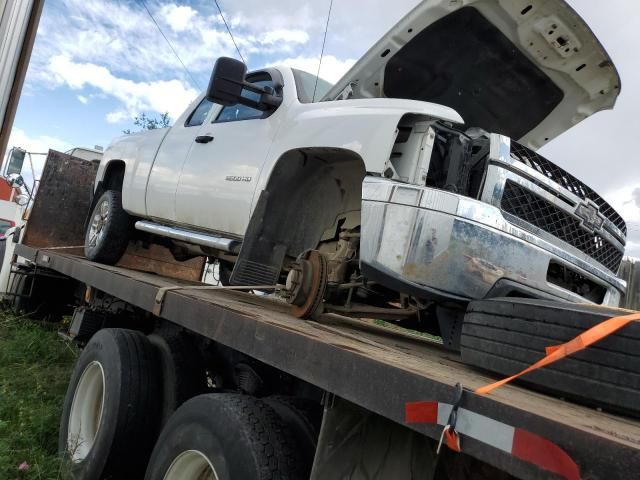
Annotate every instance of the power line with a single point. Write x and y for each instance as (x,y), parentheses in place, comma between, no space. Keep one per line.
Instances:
(170,46)
(326,27)
(229,30)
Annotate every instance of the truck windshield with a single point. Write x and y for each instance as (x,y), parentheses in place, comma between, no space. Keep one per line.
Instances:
(305,84)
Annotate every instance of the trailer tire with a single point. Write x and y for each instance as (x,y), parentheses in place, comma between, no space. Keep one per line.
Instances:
(108,230)
(181,372)
(235,436)
(109,419)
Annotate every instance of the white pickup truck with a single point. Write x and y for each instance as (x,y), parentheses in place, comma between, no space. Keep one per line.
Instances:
(411,183)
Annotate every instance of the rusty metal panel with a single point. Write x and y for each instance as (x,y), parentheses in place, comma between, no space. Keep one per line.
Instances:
(57,216)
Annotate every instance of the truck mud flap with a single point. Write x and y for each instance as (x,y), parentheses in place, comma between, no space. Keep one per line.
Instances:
(507,335)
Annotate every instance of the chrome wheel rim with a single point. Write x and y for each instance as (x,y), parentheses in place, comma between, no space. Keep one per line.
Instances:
(86,412)
(98,223)
(191,465)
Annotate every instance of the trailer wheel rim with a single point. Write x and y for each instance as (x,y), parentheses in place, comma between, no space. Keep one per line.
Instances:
(191,465)
(98,222)
(86,412)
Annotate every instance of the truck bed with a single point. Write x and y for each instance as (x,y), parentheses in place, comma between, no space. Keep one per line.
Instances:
(372,366)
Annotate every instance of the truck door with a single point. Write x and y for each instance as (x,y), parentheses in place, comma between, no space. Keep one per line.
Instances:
(219,177)
(163,179)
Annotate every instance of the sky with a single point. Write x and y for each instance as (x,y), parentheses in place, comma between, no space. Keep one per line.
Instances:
(96,64)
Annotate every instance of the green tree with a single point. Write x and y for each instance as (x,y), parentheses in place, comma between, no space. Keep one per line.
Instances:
(146,122)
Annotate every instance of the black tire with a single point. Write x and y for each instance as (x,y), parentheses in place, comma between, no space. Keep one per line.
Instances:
(114,230)
(181,371)
(20,288)
(303,418)
(241,436)
(128,425)
(507,335)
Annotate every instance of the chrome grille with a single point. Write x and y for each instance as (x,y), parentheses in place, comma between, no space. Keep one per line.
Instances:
(541,213)
(565,179)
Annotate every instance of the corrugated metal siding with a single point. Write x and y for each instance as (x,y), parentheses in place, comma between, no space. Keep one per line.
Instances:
(13,27)
(630,272)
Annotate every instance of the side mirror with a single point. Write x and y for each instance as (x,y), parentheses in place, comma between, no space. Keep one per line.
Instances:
(227,80)
(228,86)
(16,160)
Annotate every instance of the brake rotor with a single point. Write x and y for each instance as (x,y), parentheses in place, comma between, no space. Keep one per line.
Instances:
(307,283)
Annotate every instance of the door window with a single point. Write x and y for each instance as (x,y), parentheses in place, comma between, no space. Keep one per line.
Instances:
(234,113)
(199,115)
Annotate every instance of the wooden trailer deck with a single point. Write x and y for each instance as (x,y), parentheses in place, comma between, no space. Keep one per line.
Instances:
(374,367)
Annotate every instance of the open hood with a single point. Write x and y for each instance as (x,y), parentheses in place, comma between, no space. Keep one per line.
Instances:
(529,69)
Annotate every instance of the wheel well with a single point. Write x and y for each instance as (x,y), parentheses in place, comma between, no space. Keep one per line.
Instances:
(311,193)
(114,175)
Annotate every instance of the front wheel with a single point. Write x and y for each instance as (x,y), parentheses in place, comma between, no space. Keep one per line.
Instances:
(109,230)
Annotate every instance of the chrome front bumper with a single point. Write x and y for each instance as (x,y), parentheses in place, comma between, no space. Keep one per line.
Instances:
(458,247)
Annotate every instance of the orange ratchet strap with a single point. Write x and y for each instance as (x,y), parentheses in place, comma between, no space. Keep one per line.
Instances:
(557,352)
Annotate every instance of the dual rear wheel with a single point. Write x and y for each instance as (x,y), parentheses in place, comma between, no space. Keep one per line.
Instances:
(121,397)
(225,437)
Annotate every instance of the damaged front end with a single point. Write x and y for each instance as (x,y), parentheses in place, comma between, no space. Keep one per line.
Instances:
(474,215)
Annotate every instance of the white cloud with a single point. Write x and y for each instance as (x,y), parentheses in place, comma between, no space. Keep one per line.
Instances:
(179,18)
(624,201)
(635,196)
(41,144)
(82,99)
(117,116)
(286,36)
(160,96)
(632,249)
(332,68)
(123,38)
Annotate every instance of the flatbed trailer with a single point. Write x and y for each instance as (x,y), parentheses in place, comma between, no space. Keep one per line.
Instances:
(375,368)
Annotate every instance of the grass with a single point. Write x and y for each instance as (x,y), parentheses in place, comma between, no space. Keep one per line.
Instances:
(35,366)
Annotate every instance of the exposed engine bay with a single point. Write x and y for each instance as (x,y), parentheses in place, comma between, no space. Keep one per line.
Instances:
(434,154)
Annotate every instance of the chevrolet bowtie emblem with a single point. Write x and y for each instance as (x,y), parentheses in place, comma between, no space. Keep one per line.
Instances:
(591,220)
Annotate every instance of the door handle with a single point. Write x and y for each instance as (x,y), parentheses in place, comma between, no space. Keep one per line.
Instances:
(203,138)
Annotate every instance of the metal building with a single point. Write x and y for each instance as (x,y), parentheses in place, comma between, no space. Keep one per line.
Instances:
(18,25)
